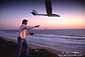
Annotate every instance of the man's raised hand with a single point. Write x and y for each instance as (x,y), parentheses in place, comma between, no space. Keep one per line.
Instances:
(37,26)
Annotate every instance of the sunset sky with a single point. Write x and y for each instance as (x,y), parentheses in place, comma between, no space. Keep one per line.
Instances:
(12,12)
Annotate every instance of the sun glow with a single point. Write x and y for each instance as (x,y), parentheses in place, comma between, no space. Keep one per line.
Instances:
(54,22)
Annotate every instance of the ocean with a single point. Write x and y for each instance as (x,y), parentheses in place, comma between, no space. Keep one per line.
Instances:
(69,32)
(68,41)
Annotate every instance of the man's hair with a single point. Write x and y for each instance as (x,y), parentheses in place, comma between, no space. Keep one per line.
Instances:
(24,21)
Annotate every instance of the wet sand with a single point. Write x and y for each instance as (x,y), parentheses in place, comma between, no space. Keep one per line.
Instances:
(8,49)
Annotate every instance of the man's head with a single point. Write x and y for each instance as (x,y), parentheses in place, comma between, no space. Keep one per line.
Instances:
(24,21)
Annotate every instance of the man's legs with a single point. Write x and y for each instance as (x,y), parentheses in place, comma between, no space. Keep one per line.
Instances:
(19,47)
(25,47)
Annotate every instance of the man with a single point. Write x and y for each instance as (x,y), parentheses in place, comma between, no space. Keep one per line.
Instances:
(21,43)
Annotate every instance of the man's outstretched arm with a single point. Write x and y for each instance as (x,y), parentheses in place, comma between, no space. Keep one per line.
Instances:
(33,27)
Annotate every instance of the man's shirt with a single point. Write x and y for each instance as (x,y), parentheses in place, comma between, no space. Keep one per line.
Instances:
(23,31)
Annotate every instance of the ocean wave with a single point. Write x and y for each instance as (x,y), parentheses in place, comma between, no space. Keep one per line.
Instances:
(60,42)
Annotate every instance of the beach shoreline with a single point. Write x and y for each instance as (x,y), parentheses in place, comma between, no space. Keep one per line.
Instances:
(8,49)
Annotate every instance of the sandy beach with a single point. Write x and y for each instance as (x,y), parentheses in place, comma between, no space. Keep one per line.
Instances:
(8,49)
(44,46)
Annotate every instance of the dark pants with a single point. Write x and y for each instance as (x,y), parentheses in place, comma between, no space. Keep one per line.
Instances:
(21,46)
